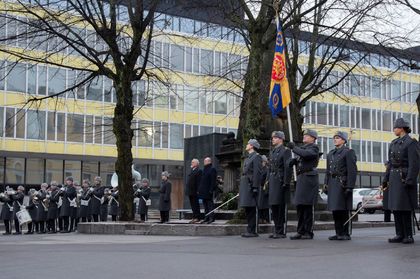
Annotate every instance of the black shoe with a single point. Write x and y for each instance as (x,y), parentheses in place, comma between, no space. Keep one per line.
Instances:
(343,237)
(296,236)
(333,237)
(307,236)
(17,233)
(6,233)
(278,235)
(51,232)
(65,231)
(29,233)
(249,235)
(408,240)
(396,239)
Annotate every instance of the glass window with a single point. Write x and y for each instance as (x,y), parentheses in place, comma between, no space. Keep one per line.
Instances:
(98,130)
(2,170)
(107,170)
(376,87)
(336,112)
(387,121)
(109,137)
(145,133)
(161,96)
(220,103)
(396,90)
(217,65)
(56,80)
(61,125)
(376,152)
(73,168)
(75,127)
(355,144)
(34,171)
(366,119)
(1,126)
(365,181)
(205,130)
(94,89)
(355,85)
(89,124)
(191,99)
(20,123)
(322,113)
(196,60)
(15,170)
(177,57)
(165,134)
(54,171)
(206,61)
(10,122)
(108,89)
(188,59)
(157,133)
(16,77)
(90,170)
(187,25)
(177,136)
(165,55)
(36,125)
(32,79)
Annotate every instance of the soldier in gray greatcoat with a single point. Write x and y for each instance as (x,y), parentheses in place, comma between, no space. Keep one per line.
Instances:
(165,197)
(143,193)
(263,206)
(280,175)
(340,178)
(42,209)
(68,210)
(401,181)
(6,212)
(249,186)
(53,198)
(307,183)
(95,202)
(114,205)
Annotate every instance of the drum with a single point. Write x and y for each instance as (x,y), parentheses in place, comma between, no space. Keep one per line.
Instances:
(23,216)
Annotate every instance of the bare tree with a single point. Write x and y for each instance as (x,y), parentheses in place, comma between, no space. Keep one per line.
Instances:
(93,38)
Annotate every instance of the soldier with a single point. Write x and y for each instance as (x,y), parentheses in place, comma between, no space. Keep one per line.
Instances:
(114,204)
(191,189)
(53,198)
(42,209)
(401,181)
(84,213)
(340,179)
(263,206)
(249,186)
(32,208)
(165,197)
(97,195)
(144,194)
(6,211)
(307,184)
(17,204)
(279,183)
(103,211)
(68,209)
(206,189)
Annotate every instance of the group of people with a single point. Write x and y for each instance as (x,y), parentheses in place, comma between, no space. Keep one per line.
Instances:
(265,182)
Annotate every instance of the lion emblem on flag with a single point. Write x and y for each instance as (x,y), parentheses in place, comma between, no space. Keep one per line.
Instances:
(279,69)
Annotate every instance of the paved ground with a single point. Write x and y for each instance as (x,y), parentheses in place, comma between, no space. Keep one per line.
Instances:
(76,256)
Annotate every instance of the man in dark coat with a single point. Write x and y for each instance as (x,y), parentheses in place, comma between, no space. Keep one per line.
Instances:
(307,183)
(114,205)
(340,179)
(249,186)
(42,209)
(85,198)
(6,211)
(103,211)
(96,195)
(165,197)
(68,209)
(17,205)
(263,206)
(207,188)
(401,181)
(191,190)
(143,193)
(385,196)
(280,175)
(32,208)
(53,198)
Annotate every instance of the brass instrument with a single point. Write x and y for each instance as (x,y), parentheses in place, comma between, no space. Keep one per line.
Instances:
(8,192)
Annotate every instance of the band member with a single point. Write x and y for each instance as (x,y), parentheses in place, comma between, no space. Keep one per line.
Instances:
(7,211)
(207,188)
(279,183)
(191,190)
(249,186)
(143,194)
(42,209)
(17,204)
(340,179)
(307,184)
(52,198)
(103,216)
(165,197)
(32,208)
(114,204)
(97,195)
(68,209)
(263,206)
(85,198)
(401,181)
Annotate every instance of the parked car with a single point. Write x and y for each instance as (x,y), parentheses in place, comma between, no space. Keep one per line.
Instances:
(358,195)
(373,201)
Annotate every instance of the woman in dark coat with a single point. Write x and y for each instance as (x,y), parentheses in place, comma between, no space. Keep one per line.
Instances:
(114,204)
(6,211)
(143,194)
(165,197)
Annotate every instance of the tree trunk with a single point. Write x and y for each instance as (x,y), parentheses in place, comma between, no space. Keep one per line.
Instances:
(123,115)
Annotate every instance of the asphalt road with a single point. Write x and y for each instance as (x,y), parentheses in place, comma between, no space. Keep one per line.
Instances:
(78,256)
